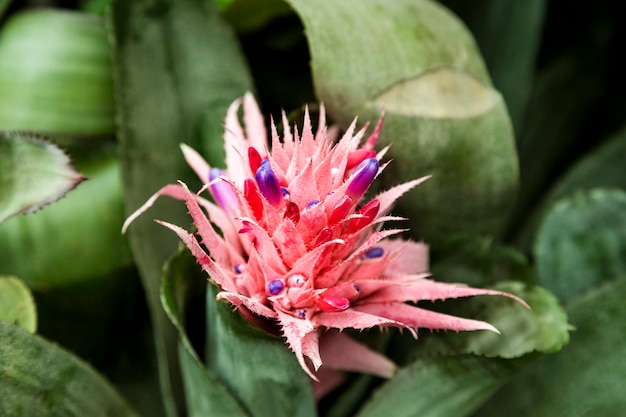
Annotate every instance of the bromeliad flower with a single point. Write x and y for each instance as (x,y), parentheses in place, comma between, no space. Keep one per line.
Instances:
(299,247)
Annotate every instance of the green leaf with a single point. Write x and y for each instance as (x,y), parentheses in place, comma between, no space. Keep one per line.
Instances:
(542,328)
(602,167)
(38,378)
(33,173)
(4,4)
(549,135)
(441,111)
(55,74)
(270,382)
(177,67)
(582,242)
(16,304)
(481,261)
(508,34)
(250,15)
(587,377)
(441,387)
(76,239)
(204,393)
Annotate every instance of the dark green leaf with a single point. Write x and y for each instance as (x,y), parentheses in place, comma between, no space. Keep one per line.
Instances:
(4,4)
(260,368)
(556,114)
(38,378)
(440,387)
(251,15)
(205,394)
(587,377)
(582,242)
(76,239)
(604,167)
(16,304)
(33,173)
(55,74)
(508,34)
(176,67)
(441,111)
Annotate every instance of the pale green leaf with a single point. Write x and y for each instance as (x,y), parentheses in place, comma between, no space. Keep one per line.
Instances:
(37,378)
(75,239)
(542,328)
(508,34)
(587,377)
(16,303)
(55,73)
(582,242)
(33,173)
(442,115)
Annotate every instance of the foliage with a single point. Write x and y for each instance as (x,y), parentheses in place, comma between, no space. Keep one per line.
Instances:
(516,112)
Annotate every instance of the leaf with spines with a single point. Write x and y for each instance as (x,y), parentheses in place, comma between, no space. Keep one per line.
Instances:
(33,172)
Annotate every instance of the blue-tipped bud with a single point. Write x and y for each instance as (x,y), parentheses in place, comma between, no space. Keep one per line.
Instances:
(222,192)
(374,252)
(268,184)
(275,286)
(366,172)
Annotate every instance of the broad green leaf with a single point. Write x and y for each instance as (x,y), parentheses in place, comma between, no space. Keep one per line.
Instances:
(556,114)
(55,74)
(16,304)
(247,16)
(204,393)
(587,377)
(582,242)
(440,387)
(77,238)
(442,114)
(542,328)
(176,68)
(602,167)
(33,173)
(260,368)
(481,261)
(508,34)
(37,378)
(4,4)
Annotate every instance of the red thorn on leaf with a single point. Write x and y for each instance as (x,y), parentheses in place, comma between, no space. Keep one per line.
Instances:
(369,212)
(370,143)
(340,211)
(253,198)
(358,156)
(333,304)
(254,159)
(292,212)
(325,235)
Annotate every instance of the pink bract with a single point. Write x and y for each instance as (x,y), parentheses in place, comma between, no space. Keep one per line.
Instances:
(301,248)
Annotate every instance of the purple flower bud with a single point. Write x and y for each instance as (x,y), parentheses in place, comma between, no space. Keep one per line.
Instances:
(222,191)
(268,184)
(374,252)
(275,286)
(366,171)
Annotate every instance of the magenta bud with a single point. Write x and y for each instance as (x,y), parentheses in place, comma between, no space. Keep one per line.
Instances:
(365,174)
(268,183)
(222,191)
